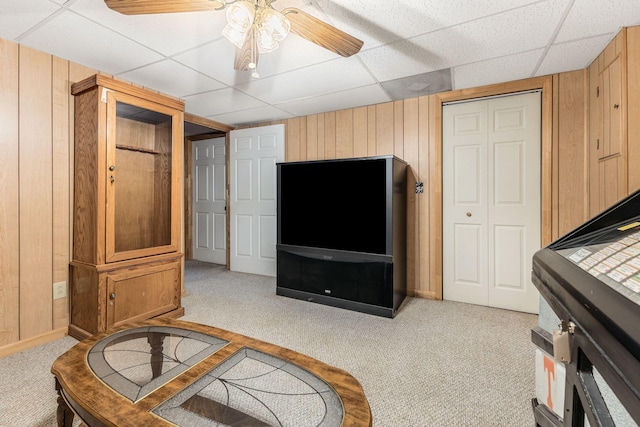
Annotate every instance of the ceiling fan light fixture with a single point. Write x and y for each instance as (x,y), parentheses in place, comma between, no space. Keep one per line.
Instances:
(240,15)
(274,23)
(234,35)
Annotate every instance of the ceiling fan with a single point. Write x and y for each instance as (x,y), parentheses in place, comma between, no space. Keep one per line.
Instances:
(254,26)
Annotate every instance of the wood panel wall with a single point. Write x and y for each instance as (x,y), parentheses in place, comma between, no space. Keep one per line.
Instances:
(411,130)
(36,142)
(36,163)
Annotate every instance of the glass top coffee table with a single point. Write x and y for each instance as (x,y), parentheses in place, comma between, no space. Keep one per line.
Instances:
(167,372)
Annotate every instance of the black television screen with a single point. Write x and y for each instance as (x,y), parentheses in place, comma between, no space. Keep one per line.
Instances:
(335,204)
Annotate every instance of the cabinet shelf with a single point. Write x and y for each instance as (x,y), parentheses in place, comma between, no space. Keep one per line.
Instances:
(137,149)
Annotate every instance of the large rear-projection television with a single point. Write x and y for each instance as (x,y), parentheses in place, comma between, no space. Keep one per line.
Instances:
(342,232)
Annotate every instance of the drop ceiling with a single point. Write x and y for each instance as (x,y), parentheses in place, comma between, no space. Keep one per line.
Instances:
(411,47)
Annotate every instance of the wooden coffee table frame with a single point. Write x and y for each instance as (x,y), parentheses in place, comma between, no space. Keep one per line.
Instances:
(82,393)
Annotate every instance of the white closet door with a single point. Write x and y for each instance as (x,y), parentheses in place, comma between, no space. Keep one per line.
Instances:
(491,201)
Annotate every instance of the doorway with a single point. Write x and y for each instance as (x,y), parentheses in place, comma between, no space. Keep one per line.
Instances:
(209,200)
(491,154)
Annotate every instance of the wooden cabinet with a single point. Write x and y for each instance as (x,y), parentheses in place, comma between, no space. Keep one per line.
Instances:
(608,138)
(127,205)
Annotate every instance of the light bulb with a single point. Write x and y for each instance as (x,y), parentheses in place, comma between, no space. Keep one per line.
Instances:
(274,23)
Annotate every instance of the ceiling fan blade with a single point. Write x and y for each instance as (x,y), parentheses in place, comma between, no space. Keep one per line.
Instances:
(247,56)
(321,33)
(139,7)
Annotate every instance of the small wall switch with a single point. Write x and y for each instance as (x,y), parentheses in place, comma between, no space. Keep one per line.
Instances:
(59,290)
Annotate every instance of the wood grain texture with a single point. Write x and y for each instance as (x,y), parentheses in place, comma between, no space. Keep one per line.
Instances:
(410,152)
(9,194)
(360,139)
(330,135)
(384,129)
(81,384)
(344,134)
(61,177)
(36,204)
(572,151)
(398,129)
(423,201)
(633,107)
(312,137)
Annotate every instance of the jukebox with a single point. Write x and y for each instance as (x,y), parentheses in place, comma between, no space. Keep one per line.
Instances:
(588,356)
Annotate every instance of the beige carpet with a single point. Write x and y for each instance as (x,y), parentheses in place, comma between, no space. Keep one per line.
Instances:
(436,364)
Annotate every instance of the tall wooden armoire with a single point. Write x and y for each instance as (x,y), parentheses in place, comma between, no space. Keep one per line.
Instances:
(127,215)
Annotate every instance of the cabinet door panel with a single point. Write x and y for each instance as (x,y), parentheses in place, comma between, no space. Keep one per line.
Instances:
(141,293)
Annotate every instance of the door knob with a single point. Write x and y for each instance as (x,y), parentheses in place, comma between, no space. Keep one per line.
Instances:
(468,214)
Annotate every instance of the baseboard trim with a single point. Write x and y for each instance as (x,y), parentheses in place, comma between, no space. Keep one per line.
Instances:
(32,342)
(422,294)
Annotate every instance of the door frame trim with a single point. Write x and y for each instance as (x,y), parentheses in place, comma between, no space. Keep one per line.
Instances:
(545,84)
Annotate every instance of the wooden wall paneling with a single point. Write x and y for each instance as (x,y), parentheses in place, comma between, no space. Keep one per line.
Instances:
(595,130)
(312,137)
(292,129)
(435,197)
(35,193)
(303,139)
(633,107)
(360,143)
(371,131)
(410,148)
(9,194)
(384,129)
(320,135)
(546,84)
(344,133)
(573,155)
(555,165)
(398,129)
(330,135)
(423,175)
(61,195)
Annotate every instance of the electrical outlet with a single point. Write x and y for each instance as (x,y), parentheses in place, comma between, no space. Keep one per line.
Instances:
(59,290)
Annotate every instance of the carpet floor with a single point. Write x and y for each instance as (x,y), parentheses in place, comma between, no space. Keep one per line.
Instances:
(437,363)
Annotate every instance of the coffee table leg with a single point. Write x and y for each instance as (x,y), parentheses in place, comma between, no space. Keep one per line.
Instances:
(156,340)
(64,414)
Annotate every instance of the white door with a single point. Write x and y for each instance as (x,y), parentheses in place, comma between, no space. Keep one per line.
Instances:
(254,153)
(209,201)
(491,200)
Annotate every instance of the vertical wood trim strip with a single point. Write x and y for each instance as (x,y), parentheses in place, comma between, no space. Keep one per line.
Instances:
(553,160)
(424,226)
(330,135)
(321,138)
(360,132)
(312,137)
(398,129)
(435,197)
(292,148)
(303,139)
(411,117)
(384,129)
(36,230)
(9,194)
(61,179)
(371,131)
(633,106)
(344,134)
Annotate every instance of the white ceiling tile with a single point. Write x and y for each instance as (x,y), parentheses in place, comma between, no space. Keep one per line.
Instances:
(18,16)
(251,116)
(215,59)
(498,35)
(497,70)
(167,33)
(72,37)
(366,95)
(172,78)
(382,22)
(220,101)
(572,55)
(321,79)
(594,17)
